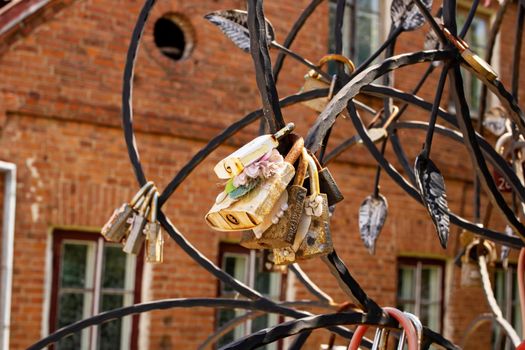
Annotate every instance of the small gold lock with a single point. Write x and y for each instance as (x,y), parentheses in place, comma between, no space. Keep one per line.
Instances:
(153,234)
(474,247)
(313,81)
(479,65)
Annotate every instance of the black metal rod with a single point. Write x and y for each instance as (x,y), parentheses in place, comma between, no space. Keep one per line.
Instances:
(470,17)
(435,109)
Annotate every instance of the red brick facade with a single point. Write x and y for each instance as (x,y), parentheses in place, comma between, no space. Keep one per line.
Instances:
(60,85)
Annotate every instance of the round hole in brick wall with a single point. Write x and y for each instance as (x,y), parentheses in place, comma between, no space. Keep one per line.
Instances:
(174,36)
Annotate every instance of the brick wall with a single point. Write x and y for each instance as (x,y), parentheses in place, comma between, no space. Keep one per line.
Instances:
(60,123)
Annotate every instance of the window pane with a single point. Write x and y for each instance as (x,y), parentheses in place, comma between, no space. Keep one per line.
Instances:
(406,283)
(408,307)
(114,274)
(430,286)
(235,265)
(223,317)
(110,332)
(73,307)
(368,5)
(430,315)
(74,265)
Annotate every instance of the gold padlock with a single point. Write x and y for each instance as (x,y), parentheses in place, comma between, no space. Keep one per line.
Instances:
(235,162)
(135,238)
(153,234)
(118,224)
(313,237)
(248,211)
(279,227)
(313,81)
(479,65)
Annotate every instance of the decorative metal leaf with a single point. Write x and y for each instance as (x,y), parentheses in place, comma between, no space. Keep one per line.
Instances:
(372,216)
(431,186)
(405,13)
(495,120)
(505,250)
(234,24)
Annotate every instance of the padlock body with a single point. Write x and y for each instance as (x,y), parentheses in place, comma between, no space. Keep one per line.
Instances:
(312,83)
(328,186)
(154,242)
(135,238)
(479,65)
(318,239)
(235,163)
(281,234)
(249,211)
(283,256)
(117,226)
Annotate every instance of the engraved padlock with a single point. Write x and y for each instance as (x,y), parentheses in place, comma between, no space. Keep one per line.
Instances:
(153,234)
(135,238)
(313,237)
(235,163)
(327,184)
(279,227)
(476,63)
(118,225)
(313,81)
(248,211)
(317,240)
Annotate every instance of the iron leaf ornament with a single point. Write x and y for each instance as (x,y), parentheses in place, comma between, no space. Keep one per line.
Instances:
(234,24)
(431,186)
(372,217)
(406,14)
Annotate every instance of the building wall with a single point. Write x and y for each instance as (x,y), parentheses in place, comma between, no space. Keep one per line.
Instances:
(60,123)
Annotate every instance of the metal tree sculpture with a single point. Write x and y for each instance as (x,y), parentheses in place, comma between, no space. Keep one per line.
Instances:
(254,34)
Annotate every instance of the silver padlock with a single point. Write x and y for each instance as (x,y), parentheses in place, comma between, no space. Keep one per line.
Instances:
(135,238)
(118,224)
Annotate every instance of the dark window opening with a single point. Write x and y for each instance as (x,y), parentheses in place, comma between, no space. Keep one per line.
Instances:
(173,36)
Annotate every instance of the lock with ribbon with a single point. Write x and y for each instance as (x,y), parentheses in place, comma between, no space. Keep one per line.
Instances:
(251,195)
(313,81)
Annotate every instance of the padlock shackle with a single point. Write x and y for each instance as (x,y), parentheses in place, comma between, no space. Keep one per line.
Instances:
(147,201)
(140,193)
(295,151)
(314,175)
(339,58)
(154,207)
(302,168)
(288,128)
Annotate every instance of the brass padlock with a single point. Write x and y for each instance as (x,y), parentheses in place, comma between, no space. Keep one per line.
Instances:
(279,227)
(327,184)
(313,81)
(313,237)
(153,234)
(255,149)
(118,224)
(135,238)
(479,65)
(248,211)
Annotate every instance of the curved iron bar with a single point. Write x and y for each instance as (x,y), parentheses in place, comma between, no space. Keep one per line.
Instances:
(411,191)
(470,17)
(260,304)
(233,323)
(263,66)
(310,285)
(306,324)
(471,142)
(307,12)
(327,118)
(500,162)
(475,324)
